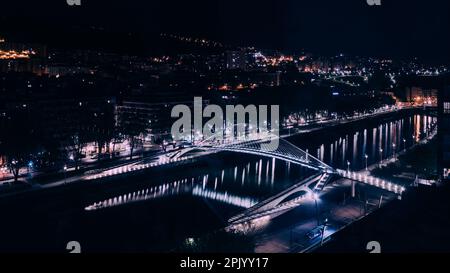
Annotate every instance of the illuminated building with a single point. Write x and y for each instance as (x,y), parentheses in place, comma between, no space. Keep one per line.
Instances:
(20,57)
(152,113)
(444,131)
(59,118)
(236,60)
(420,95)
(422,90)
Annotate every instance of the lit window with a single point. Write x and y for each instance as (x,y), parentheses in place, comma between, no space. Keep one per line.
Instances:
(447,107)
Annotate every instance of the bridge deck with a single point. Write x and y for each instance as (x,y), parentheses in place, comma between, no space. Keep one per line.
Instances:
(275,202)
(364,177)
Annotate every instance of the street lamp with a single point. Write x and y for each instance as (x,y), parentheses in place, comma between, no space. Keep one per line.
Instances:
(381,156)
(30,167)
(316,198)
(65,173)
(323,230)
(348,166)
(393,150)
(404,144)
(366,157)
(14,163)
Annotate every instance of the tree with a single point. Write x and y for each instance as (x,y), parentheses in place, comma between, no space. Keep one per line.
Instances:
(103,124)
(18,141)
(134,140)
(116,137)
(77,143)
(131,127)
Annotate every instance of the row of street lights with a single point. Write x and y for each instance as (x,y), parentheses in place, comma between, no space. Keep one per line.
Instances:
(366,156)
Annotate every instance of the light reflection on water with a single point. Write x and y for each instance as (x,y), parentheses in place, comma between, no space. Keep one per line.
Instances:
(180,187)
(377,142)
(241,186)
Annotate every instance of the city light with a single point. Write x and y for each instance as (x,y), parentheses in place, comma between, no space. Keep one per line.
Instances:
(13,54)
(315,196)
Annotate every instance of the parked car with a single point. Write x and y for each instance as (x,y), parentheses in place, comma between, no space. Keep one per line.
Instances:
(316,232)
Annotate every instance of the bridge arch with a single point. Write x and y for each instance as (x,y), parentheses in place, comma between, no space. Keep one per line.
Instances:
(256,145)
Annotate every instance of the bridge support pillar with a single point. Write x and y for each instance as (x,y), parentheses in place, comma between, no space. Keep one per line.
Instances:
(353,189)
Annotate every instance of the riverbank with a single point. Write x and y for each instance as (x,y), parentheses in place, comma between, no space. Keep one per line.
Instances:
(423,208)
(417,224)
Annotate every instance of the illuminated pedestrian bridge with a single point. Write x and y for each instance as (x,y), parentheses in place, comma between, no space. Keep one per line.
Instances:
(265,145)
(262,146)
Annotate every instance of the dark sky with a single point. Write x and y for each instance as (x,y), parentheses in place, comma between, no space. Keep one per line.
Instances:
(397,28)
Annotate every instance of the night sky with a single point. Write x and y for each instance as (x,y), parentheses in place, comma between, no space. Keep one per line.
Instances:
(397,28)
